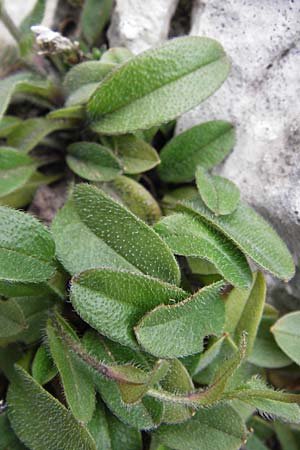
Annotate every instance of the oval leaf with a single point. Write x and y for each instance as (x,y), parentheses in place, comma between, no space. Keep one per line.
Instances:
(220,195)
(206,145)
(252,234)
(92,161)
(113,301)
(287,335)
(15,169)
(12,319)
(189,236)
(38,418)
(86,73)
(189,69)
(171,331)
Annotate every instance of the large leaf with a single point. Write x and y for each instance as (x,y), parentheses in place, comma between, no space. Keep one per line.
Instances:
(171,331)
(8,439)
(113,301)
(109,433)
(26,248)
(206,144)
(252,234)
(189,236)
(95,15)
(219,194)
(133,195)
(32,131)
(93,161)
(39,420)
(77,382)
(139,415)
(216,428)
(287,335)
(15,169)
(125,235)
(187,69)
(136,154)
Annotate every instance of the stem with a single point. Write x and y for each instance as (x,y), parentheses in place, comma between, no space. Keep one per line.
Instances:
(10,25)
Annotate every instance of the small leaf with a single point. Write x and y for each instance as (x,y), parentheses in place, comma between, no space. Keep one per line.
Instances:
(138,415)
(76,112)
(252,234)
(252,312)
(7,125)
(92,161)
(12,319)
(206,144)
(113,301)
(15,170)
(218,427)
(136,154)
(287,335)
(77,383)
(171,331)
(95,15)
(203,360)
(189,69)
(116,55)
(38,418)
(125,234)
(133,195)
(32,131)
(25,244)
(288,440)
(86,73)
(43,368)
(82,95)
(265,352)
(109,433)
(188,235)
(35,16)
(219,194)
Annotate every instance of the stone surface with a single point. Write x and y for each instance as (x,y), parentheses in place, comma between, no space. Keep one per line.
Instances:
(18,9)
(140,24)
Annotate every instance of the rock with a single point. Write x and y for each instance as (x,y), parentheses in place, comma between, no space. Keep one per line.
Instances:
(140,24)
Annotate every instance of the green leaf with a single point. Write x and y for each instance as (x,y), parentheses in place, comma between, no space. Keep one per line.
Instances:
(82,95)
(136,154)
(12,319)
(116,55)
(133,195)
(189,69)
(113,301)
(92,161)
(288,440)
(86,73)
(216,428)
(265,352)
(95,15)
(219,194)
(32,131)
(76,112)
(77,383)
(8,439)
(109,433)
(7,125)
(15,170)
(35,17)
(252,234)
(43,368)
(206,144)
(39,419)
(287,335)
(188,235)
(9,85)
(25,244)
(201,361)
(252,312)
(254,443)
(138,415)
(171,331)
(125,234)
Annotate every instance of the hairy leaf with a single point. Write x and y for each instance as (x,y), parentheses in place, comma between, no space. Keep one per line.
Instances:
(189,69)
(43,368)
(206,144)
(35,16)
(12,319)
(189,236)
(171,331)
(219,194)
(252,234)
(116,55)
(15,169)
(86,73)
(113,301)
(287,335)
(93,161)
(7,125)
(39,420)
(95,15)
